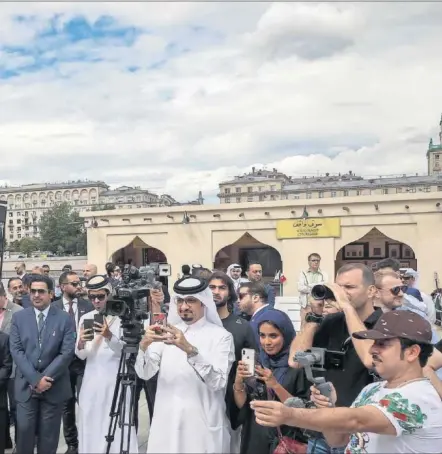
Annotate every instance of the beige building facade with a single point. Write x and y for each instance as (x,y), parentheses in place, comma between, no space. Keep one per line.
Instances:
(409,224)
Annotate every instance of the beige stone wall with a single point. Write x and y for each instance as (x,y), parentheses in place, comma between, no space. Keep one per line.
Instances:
(419,226)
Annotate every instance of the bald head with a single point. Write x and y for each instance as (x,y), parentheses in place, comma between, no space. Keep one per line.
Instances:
(90,270)
(37,270)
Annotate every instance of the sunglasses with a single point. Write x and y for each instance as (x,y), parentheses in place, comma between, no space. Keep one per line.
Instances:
(398,289)
(242,295)
(74,284)
(39,291)
(97,297)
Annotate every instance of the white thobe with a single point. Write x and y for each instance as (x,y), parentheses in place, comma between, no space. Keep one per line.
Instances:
(190,410)
(97,390)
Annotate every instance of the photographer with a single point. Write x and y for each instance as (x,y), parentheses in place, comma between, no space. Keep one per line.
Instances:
(193,355)
(354,292)
(102,347)
(399,414)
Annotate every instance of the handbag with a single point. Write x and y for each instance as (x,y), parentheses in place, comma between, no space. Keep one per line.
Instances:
(289,445)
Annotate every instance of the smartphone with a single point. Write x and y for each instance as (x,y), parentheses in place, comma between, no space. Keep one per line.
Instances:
(98,318)
(249,357)
(159,321)
(89,324)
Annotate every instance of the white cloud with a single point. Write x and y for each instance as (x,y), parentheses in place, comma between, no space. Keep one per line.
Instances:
(303,87)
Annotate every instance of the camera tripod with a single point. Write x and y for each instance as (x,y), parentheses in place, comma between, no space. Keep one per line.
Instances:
(121,413)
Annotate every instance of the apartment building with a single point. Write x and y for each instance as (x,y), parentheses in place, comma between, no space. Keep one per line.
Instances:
(27,203)
(134,197)
(267,185)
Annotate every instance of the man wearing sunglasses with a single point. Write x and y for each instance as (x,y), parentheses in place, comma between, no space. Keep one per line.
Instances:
(42,341)
(76,307)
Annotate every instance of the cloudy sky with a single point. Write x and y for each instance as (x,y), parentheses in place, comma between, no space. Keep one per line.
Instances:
(178,96)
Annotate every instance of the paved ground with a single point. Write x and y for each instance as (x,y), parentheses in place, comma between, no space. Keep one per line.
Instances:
(142,434)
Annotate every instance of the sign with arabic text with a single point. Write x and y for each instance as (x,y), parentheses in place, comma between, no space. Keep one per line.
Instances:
(308,228)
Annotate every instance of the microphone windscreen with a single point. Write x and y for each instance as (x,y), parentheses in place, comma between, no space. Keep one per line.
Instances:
(294,402)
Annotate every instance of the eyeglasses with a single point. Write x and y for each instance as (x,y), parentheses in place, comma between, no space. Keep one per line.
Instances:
(39,291)
(189,301)
(100,297)
(242,295)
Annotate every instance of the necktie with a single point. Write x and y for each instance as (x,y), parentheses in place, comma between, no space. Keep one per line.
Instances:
(41,321)
(71,309)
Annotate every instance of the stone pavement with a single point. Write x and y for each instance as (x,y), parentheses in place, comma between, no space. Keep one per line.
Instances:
(142,433)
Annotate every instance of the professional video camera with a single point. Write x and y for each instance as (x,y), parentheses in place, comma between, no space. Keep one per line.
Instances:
(130,304)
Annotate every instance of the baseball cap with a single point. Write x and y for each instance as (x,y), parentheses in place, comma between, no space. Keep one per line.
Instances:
(394,324)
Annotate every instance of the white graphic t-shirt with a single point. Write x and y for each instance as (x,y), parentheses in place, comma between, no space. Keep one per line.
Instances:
(415,410)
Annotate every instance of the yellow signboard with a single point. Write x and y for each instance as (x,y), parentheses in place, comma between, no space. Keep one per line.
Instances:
(308,228)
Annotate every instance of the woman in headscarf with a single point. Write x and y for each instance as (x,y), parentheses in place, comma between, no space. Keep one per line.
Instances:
(272,379)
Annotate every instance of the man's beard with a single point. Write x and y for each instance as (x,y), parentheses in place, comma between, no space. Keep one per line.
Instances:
(187,317)
(221,303)
(72,295)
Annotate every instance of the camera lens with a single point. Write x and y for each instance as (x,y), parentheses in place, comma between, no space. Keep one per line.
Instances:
(321,292)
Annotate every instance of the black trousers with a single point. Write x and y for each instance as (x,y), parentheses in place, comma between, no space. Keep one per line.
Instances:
(12,416)
(39,418)
(150,390)
(70,431)
(3,425)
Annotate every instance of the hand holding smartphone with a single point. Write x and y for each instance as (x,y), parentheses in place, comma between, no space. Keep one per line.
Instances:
(249,358)
(159,322)
(99,319)
(88,329)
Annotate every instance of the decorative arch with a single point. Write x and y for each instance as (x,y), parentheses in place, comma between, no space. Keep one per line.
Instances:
(246,249)
(374,246)
(139,248)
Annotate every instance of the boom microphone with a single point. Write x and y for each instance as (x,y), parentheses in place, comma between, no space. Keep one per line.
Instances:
(294,402)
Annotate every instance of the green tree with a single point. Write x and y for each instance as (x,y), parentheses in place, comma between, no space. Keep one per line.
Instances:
(62,230)
(14,246)
(29,245)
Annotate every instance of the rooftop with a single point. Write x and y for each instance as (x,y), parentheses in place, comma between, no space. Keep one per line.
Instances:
(54,186)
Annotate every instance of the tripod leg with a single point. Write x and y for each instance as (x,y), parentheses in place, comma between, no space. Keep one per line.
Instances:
(114,414)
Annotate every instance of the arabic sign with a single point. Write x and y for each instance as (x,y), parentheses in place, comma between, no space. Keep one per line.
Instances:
(308,228)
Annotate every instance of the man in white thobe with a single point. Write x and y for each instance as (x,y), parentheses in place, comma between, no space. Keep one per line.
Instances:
(193,355)
(103,354)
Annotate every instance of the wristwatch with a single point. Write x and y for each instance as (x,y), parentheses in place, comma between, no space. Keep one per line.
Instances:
(193,353)
(313,318)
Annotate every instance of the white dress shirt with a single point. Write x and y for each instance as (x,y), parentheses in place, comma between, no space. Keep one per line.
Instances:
(74,308)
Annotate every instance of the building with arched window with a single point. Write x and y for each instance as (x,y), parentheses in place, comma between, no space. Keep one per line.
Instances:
(280,235)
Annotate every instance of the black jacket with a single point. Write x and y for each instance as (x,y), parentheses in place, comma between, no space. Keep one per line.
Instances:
(84,306)
(5,369)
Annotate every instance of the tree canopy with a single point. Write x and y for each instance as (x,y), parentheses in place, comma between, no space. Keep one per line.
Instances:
(62,230)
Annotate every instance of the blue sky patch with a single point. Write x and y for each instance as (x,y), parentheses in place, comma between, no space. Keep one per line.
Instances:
(61,41)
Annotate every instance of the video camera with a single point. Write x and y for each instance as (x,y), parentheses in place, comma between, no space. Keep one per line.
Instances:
(322,292)
(130,302)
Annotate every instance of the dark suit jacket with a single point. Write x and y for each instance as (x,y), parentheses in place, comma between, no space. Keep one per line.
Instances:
(5,369)
(26,301)
(51,360)
(83,307)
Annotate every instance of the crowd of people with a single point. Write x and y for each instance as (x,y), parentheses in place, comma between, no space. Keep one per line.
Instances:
(219,370)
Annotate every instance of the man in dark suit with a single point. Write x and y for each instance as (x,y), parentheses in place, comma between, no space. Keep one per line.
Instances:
(42,343)
(76,307)
(7,309)
(5,372)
